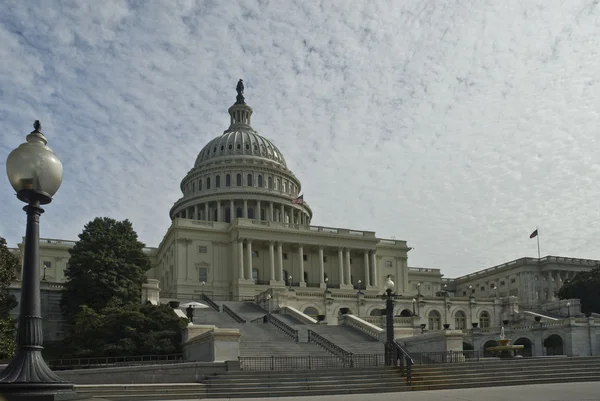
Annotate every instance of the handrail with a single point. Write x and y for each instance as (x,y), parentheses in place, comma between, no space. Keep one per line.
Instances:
(286,328)
(404,358)
(84,363)
(211,303)
(329,346)
(234,315)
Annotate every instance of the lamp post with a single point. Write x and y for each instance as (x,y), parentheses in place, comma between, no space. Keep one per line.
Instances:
(268,298)
(389,321)
(326,285)
(35,173)
(568,310)
(290,281)
(360,287)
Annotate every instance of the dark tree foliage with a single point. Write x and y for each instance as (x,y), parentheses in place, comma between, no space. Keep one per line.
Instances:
(107,267)
(586,287)
(125,331)
(9,264)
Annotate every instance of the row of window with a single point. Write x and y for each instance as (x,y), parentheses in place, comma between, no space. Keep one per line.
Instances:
(276,184)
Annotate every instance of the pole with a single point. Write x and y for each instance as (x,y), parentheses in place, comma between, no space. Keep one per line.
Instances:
(389,326)
(538,241)
(28,374)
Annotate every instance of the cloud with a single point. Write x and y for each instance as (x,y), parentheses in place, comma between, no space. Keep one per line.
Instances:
(458,127)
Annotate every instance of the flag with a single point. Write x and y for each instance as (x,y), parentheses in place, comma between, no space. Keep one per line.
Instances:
(299,200)
(533,234)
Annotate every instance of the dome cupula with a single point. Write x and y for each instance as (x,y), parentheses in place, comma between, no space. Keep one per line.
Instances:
(241,174)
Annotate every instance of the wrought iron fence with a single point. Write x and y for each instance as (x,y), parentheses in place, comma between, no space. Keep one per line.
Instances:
(283,363)
(427,358)
(113,361)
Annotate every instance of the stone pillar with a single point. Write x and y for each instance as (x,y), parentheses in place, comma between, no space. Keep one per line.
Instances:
(206,216)
(405,274)
(219,213)
(373,255)
(321,268)
(241,258)
(231,210)
(550,278)
(271,211)
(341,265)
(348,268)
(301,256)
(280,261)
(366,261)
(257,212)
(245,209)
(196,212)
(272,261)
(282,216)
(249,259)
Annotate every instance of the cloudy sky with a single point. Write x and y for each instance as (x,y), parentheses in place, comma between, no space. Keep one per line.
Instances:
(458,126)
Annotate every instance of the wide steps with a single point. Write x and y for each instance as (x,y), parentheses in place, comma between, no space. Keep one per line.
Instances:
(143,392)
(506,370)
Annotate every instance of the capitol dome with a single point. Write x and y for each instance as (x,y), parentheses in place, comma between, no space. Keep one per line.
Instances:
(241,174)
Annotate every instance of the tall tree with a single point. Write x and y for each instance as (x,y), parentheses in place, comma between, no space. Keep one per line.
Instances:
(9,264)
(107,267)
(586,287)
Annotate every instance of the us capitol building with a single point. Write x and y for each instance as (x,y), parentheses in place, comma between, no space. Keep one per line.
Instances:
(242,228)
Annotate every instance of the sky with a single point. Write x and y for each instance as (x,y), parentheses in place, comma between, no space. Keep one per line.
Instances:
(458,126)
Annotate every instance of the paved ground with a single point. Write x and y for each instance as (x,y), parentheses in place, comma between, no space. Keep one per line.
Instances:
(589,391)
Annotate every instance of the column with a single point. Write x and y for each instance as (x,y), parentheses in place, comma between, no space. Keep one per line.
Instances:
(245,209)
(348,268)
(196,212)
(219,213)
(321,266)
(301,255)
(249,259)
(282,217)
(280,261)
(241,257)
(257,212)
(550,286)
(341,265)
(231,211)
(367,281)
(206,216)
(271,211)
(405,286)
(272,260)
(374,267)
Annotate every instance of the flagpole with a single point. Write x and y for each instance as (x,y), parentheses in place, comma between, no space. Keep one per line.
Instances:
(538,241)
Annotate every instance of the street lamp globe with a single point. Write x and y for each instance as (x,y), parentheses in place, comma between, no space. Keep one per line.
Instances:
(34,171)
(389,285)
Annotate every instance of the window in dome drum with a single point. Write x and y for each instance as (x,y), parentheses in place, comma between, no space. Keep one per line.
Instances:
(238,180)
(260,181)
(208,183)
(218,181)
(250,183)
(227,180)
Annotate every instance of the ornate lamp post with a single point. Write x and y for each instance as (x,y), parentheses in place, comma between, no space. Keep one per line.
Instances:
(35,173)
(389,321)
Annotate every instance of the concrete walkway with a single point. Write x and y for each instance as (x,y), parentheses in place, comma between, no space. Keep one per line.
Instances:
(588,391)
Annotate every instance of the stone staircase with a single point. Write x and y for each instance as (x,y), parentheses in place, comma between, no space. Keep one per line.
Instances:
(515,372)
(143,392)
(304,383)
(349,339)
(266,340)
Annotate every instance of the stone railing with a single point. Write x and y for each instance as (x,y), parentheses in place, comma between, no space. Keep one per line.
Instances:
(305,228)
(296,314)
(423,270)
(379,321)
(363,326)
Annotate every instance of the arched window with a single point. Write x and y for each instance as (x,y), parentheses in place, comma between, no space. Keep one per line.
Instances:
(193,187)
(238,212)
(218,181)
(434,320)
(260,181)
(255,274)
(200,184)
(270,182)
(312,312)
(284,186)
(262,214)
(228,215)
(460,320)
(249,180)
(306,277)
(227,180)
(278,186)
(286,277)
(250,213)
(238,180)
(208,183)
(484,320)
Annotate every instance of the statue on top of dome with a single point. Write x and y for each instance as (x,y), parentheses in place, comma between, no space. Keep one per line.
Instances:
(240,92)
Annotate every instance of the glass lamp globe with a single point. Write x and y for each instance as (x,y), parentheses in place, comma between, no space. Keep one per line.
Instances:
(389,285)
(34,171)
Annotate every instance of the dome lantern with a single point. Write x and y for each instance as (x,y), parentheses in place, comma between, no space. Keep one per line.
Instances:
(240,112)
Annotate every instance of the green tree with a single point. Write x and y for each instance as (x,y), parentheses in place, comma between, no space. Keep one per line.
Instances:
(107,267)
(9,264)
(586,287)
(125,331)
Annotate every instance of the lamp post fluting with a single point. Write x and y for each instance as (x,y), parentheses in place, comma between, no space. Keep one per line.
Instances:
(389,322)
(35,173)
